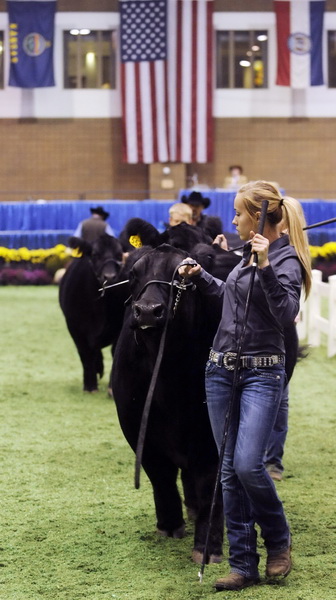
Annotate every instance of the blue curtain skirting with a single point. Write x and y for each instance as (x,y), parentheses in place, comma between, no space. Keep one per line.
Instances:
(43,225)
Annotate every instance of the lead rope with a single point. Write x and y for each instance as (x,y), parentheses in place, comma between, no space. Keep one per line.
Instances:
(181,288)
(152,385)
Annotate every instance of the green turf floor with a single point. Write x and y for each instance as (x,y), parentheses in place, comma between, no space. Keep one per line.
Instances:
(73,526)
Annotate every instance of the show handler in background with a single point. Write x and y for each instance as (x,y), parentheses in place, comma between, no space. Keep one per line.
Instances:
(92,228)
(249,493)
(180,213)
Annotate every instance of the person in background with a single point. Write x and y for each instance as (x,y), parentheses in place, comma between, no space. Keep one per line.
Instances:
(180,213)
(283,266)
(236,178)
(92,228)
(211,225)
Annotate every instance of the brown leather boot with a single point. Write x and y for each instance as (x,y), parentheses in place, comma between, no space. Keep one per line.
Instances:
(234,582)
(279,565)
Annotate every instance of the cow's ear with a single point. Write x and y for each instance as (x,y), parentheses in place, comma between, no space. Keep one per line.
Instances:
(82,247)
(76,253)
(147,233)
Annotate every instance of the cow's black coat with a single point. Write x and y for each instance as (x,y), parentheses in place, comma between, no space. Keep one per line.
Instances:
(179,434)
(92,320)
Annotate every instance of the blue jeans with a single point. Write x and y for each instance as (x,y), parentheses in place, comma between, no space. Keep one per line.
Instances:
(249,493)
(276,443)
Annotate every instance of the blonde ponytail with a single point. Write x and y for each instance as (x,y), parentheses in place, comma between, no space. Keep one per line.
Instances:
(295,222)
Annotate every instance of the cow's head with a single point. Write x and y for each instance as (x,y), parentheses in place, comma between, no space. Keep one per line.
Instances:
(150,283)
(186,236)
(205,255)
(107,256)
(215,260)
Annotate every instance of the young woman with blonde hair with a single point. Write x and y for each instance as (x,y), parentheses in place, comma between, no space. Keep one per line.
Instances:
(283,268)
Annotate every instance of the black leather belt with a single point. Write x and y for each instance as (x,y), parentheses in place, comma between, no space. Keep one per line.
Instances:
(228,360)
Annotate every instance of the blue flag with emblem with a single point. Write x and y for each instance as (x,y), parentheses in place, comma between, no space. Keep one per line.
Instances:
(31,42)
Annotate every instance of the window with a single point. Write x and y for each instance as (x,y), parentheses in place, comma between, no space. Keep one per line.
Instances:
(89,59)
(241,59)
(1,59)
(332,59)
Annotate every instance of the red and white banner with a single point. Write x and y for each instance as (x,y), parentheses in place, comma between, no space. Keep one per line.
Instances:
(167,80)
(299,26)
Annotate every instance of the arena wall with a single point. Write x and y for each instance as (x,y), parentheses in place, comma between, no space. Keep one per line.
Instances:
(65,144)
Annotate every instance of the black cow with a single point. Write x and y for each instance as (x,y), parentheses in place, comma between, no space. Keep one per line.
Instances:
(182,236)
(215,260)
(93,320)
(179,434)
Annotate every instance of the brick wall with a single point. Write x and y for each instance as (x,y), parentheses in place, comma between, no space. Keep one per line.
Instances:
(63,158)
(56,158)
(297,153)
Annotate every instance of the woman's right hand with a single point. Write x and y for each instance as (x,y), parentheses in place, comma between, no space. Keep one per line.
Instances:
(189,268)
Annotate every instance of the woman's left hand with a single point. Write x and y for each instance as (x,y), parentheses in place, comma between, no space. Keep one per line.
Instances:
(221,241)
(260,245)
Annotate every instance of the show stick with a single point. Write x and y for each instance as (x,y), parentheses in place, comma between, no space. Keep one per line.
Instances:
(233,390)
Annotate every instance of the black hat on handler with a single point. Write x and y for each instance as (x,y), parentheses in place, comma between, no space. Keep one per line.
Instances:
(196,199)
(98,210)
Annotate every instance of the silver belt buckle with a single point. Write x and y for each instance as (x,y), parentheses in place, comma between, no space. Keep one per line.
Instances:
(214,357)
(228,358)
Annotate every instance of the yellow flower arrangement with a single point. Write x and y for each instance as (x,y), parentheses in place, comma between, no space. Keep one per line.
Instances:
(63,253)
(40,255)
(327,251)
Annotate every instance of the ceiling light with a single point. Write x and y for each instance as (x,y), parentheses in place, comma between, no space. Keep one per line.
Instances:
(245,63)
(262,37)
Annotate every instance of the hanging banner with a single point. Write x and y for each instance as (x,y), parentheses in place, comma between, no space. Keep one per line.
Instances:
(166,50)
(31,42)
(299,26)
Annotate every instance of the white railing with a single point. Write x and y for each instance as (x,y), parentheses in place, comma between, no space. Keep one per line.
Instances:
(311,322)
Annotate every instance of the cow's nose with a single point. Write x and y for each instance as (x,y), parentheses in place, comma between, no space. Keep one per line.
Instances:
(109,275)
(148,314)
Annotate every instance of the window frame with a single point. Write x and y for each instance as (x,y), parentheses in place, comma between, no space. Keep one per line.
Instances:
(232,57)
(80,72)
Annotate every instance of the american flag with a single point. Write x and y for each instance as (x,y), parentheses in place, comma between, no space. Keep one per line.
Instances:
(166,54)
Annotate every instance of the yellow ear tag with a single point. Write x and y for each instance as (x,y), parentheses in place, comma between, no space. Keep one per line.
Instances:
(135,241)
(76,253)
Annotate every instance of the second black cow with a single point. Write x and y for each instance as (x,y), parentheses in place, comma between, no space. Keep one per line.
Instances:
(93,319)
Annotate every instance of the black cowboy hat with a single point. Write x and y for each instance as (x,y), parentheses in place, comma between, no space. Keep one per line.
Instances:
(98,210)
(195,199)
